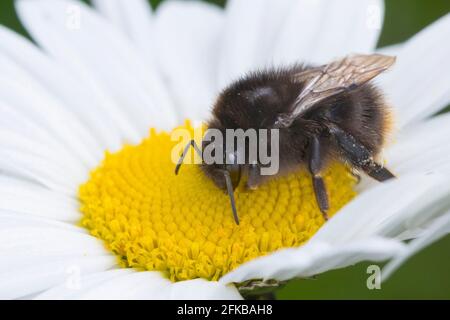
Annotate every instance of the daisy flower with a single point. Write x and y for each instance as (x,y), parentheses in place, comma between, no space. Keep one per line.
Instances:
(90,207)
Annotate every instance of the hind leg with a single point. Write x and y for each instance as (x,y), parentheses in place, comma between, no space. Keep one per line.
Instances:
(316,164)
(359,155)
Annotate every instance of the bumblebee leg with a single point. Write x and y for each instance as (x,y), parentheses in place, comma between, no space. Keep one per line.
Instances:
(316,163)
(230,191)
(185,151)
(378,172)
(359,155)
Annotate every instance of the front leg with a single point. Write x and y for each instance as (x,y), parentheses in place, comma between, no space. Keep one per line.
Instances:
(316,163)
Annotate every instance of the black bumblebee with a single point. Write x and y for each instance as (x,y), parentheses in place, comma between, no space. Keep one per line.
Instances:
(322,113)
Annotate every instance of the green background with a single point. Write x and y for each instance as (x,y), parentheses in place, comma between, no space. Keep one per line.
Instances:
(427,274)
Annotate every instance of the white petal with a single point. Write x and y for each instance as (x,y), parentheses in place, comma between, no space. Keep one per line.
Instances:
(90,46)
(135,285)
(320,31)
(391,50)
(87,282)
(423,147)
(114,10)
(15,143)
(200,289)
(20,127)
(251,29)
(187,37)
(133,17)
(10,220)
(437,230)
(19,58)
(313,258)
(29,199)
(40,274)
(420,159)
(152,285)
(31,241)
(23,164)
(299,33)
(420,148)
(49,114)
(39,161)
(348,27)
(388,209)
(417,86)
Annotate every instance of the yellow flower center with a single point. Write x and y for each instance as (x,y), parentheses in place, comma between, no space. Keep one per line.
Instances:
(183,225)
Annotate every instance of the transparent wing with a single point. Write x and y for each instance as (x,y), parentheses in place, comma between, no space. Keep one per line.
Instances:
(331,79)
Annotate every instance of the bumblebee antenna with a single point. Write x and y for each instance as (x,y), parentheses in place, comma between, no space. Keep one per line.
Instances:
(185,151)
(230,191)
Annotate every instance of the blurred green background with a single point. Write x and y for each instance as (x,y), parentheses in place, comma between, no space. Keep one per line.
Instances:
(426,275)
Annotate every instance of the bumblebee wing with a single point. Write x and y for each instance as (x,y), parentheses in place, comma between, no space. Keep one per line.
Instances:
(331,79)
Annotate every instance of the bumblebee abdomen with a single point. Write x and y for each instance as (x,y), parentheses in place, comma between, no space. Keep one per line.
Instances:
(362,112)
